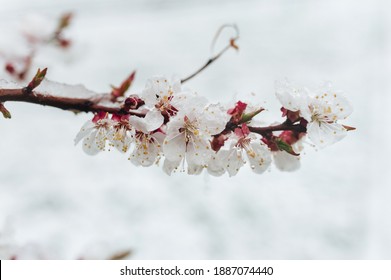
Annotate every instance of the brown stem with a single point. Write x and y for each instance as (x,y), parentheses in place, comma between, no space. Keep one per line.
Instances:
(65,103)
(284,126)
(209,62)
(232,44)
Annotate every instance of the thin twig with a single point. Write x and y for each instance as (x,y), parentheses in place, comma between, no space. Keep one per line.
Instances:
(232,44)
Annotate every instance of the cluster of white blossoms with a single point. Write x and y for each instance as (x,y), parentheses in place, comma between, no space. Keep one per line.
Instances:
(322,109)
(189,134)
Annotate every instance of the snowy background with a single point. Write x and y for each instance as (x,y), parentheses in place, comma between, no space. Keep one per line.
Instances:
(58,203)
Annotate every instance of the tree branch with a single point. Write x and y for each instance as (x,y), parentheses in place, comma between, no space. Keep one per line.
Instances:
(65,103)
(280,127)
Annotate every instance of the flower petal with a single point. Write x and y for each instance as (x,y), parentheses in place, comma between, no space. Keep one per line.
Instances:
(144,154)
(84,131)
(323,134)
(261,158)
(122,145)
(193,169)
(234,161)
(213,119)
(189,104)
(286,162)
(290,97)
(89,144)
(101,137)
(198,151)
(174,149)
(170,166)
(152,121)
(155,87)
(331,103)
(216,164)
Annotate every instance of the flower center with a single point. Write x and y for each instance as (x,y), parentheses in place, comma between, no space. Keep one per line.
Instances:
(244,143)
(164,104)
(120,131)
(190,129)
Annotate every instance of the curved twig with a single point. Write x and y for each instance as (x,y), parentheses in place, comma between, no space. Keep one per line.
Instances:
(213,58)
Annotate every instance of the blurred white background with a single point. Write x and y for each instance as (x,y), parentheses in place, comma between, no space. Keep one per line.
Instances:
(56,202)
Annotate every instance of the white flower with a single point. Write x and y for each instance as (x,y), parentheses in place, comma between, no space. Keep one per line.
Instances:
(147,141)
(164,96)
(245,148)
(188,135)
(322,109)
(121,134)
(291,97)
(325,108)
(95,133)
(185,140)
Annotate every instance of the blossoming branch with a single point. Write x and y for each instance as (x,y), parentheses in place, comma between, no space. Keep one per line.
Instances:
(177,126)
(180,130)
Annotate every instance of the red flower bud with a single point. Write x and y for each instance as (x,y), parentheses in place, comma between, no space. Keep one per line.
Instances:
(218,142)
(120,91)
(237,111)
